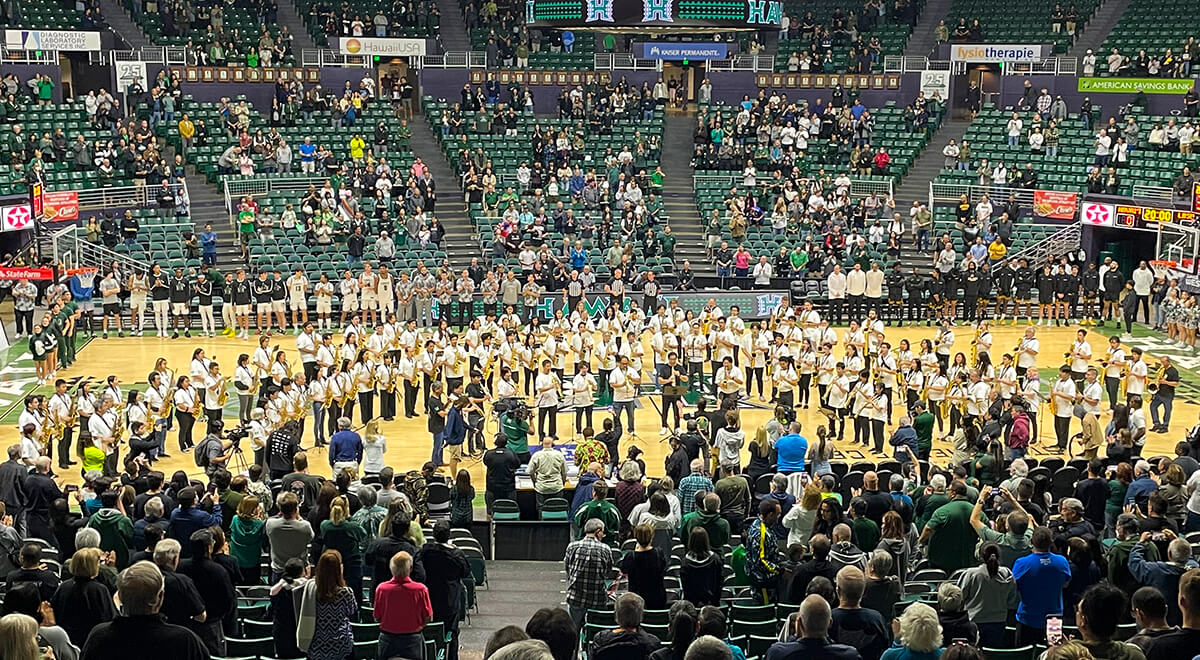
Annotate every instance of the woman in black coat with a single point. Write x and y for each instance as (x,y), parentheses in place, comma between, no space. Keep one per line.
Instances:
(81,603)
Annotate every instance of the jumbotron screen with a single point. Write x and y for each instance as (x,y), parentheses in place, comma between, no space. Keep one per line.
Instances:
(658,14)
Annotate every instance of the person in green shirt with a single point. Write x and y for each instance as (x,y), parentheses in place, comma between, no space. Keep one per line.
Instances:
(667,242)
(930,500)
(1016,539)
(252,58)
(866,532)
(516,432)
(949,536)
(601,509)
(45,87)
(798,260)
(247,539)
(923,425)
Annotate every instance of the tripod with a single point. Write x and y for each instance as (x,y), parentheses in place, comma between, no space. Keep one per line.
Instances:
(237,461)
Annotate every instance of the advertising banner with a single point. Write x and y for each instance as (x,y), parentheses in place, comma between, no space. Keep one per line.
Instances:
(1054,204)
(381,46)
(655,50)
(72,40)
(15,273)
(16,218)
(58,206)
(1133,85)
(991,53)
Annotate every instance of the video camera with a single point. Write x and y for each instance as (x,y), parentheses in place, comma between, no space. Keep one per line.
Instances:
(514,408)
(234,435)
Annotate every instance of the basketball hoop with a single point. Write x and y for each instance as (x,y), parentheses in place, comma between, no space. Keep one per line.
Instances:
(1161,266)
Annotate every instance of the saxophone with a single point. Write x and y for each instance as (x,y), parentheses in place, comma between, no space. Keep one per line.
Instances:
(1152,388)
(223,396)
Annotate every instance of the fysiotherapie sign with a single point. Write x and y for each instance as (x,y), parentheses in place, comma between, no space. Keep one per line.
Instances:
(990,53)
(1133,85)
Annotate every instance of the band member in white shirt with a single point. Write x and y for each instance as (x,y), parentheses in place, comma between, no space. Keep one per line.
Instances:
(1114,370)
(546,390)
(386,382)
(1027,351)
(306,345)
(1062,393)
(214,387)
(34,413)
(1135,384)
(837,401)
(944,343)
(729,380)
(583,396)
(243,381)
(1081,354)
(59,411)
(785,379)
(317,390)
(258,434)
(1091,393)
(886,370)
(1006,377)
(863,408)
(103,426)
(978,397)
(625,380)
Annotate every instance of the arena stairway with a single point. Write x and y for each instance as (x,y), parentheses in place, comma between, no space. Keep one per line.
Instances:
(289,16)
(679,197)
(922,41)
(123,26)
(461,242)
(1097,30)
(208,205)
(452,27)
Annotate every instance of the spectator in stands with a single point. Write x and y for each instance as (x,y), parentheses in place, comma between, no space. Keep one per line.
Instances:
(287,533)
(1163,575)
(1040,578)
(446,567)
(918,634)
(140,627)
(324,630)
(81,603)
(587,562)
(854,625)
(629,640)
(947,533)
(1150,613)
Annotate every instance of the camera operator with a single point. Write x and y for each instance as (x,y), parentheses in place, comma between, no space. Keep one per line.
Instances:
(282,445)
(142,440)
(514,424)
(215,450)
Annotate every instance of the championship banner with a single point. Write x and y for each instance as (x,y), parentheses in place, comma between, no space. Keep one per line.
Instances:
(59,206)
(19,273)
(1054,204)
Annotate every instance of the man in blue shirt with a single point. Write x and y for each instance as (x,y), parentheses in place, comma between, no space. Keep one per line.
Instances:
(792,449)
(208,245)
(1040,578)
(308,153)
(345,447)
(1140,490)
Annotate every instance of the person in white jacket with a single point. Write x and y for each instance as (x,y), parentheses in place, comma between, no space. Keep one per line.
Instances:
(729,441)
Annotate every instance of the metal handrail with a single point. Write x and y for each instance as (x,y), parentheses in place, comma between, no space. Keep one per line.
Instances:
(950,192)
(1064,240)
(1144,191)
(455,60)
(94,199)
(326,57)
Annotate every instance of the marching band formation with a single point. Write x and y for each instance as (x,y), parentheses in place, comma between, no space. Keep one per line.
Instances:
(857,375)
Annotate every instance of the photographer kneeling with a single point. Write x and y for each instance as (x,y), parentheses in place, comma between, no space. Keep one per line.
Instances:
(143,441)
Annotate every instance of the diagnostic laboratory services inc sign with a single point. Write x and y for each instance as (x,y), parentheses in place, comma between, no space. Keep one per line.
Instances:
(65,40)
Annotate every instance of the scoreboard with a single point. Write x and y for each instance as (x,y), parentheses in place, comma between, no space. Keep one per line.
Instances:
(1148,216)
(656,14)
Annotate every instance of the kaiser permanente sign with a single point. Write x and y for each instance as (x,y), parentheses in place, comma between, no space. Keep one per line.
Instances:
(1134,85)
(991,53)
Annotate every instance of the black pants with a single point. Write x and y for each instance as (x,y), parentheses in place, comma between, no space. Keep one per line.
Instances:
(787,399)
(64,448)
(805,389)
(331,417)
(755,374)
(186,422)
(387,404)
(915,305)
(877,434)
(1062,431)
(310,371)
(862,430)
(214,419)
(464,313)
(366,406)
(835,310)
(1112,386)
(1144,304)
(856,308)
(544,413)
(970,306)
(25,322)
(410,399)
(583,418)
(670,407)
